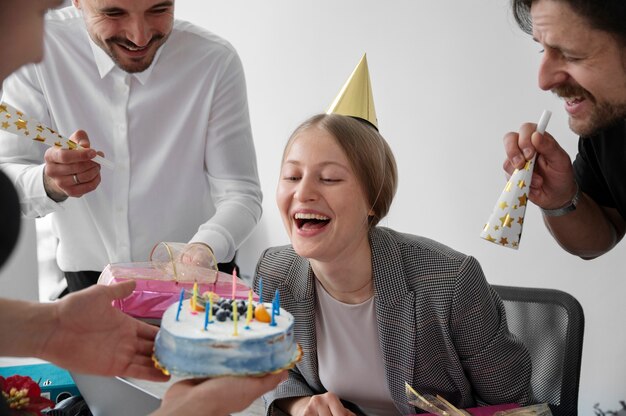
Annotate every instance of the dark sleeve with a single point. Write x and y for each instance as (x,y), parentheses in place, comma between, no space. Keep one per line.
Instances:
(295,385)
(588,172)
(11,217)
(497,364)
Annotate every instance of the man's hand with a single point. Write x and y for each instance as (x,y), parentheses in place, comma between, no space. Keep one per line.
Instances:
(553,184)
(198,254)
(71,172)
(89,335)
(216,397)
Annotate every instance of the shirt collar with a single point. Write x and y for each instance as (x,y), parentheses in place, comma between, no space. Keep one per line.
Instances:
(106,65)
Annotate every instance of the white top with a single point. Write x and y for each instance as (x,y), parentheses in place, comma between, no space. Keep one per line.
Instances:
(349,357)
(179,135)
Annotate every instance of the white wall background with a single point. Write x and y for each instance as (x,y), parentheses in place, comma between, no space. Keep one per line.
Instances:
(450,78)
(18,276)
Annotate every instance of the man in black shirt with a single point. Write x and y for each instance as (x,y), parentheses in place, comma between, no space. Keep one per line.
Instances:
(584,62)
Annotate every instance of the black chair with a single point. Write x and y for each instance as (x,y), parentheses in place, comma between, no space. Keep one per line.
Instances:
(551,324)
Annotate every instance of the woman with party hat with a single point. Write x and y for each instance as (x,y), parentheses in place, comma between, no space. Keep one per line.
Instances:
(375,308)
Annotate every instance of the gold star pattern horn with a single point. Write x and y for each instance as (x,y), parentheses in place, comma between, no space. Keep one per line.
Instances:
(507,219)
(14,121)
(355,98)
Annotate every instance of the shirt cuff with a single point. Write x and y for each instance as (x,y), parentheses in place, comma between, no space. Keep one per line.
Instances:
(37,203)
(223,247)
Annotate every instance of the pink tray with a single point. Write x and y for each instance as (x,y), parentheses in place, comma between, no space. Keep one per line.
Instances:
(156,289)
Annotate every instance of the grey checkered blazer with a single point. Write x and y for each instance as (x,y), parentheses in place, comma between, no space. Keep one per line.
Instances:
(442,328)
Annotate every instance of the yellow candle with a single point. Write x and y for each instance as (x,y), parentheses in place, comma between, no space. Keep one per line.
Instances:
(235,318)
(249,313)
(193,298)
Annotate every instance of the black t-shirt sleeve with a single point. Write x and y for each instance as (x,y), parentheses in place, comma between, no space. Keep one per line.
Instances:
(600,167)
(588,173)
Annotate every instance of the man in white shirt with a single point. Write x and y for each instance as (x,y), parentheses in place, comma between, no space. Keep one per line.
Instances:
(162,99)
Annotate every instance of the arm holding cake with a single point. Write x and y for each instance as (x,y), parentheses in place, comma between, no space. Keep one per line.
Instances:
(216,397)
(82,332)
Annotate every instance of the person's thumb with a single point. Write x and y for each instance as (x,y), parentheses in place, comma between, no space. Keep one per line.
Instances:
(80,137)
(550,149)
(122,289)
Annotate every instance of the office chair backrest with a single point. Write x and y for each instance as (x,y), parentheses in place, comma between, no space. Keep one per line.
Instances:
(551,324)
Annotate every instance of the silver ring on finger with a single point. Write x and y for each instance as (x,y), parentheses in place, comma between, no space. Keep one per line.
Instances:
(76,181)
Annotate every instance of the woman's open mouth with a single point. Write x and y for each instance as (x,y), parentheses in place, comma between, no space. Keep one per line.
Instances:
(310,221)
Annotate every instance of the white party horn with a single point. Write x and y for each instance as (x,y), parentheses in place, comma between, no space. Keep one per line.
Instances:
(505,223)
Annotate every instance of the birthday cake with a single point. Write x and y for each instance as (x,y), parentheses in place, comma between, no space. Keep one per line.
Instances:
(194,341)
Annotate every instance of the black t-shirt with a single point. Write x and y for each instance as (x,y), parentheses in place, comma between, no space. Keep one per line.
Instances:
(600,167)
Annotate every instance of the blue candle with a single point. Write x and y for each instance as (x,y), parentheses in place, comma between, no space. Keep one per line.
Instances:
(261,290)
(273,321)
(180,302)
(207,307)
(277,302)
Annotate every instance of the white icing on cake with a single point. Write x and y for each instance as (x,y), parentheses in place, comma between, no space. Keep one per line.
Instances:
(184,348)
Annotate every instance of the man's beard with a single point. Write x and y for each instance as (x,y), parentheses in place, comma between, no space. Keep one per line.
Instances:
(131,65)
(602,115)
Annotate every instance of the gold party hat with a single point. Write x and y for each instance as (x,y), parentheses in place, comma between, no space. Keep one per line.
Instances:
(355,98)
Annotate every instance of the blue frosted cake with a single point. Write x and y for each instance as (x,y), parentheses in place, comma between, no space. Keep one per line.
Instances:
(228,346)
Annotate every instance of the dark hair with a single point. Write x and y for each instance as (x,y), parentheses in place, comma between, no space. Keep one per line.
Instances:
(605,15)
(369,155)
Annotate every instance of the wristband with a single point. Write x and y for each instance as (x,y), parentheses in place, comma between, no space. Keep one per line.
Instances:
(558,212)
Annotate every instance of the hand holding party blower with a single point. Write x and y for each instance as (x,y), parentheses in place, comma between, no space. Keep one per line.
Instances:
(505,224)
(14,121)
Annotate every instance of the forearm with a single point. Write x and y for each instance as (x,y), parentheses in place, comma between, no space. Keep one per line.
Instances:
(231,225)
(587,232)
(25,327)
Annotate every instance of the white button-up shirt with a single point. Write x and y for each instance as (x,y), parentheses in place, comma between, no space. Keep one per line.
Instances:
(178,133)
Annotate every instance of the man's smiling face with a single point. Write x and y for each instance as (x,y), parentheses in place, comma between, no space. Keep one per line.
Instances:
(584,66)
(130,32)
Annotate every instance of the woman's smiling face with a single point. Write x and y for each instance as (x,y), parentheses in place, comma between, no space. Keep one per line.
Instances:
(320,199)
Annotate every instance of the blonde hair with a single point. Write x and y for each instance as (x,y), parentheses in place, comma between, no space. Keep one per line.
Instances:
(369,155)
